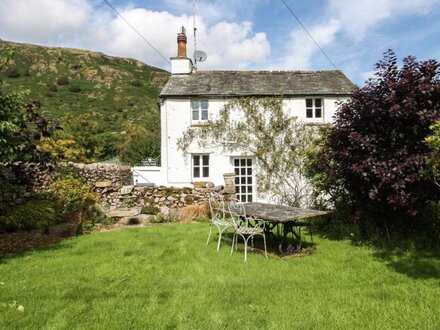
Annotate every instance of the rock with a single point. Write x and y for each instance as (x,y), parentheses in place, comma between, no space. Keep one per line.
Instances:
(125,190)
(199,184)
(103,184)
(174,214)
(165,211)
(217,188)
(125,213)
(209,185)
(145,218)
(64,230)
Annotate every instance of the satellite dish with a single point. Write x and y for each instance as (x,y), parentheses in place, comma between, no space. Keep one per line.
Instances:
(200,56)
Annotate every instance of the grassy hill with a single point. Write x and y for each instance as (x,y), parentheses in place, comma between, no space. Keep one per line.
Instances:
(103,92)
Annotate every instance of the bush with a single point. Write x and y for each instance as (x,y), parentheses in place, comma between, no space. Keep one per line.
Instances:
(74,198)
(75,89)
(136,83)
(27,72)
(36,214)
(12,72)
(150,210)
(53,88)
(376,148)
(138,144)
(62,81)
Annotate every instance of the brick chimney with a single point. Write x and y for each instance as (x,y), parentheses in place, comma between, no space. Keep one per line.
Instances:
(181,64)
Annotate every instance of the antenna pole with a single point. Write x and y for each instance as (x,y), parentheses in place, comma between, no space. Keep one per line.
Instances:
(195,29)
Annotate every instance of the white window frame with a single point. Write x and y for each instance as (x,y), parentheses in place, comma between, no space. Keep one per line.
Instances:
(201,166)
(246,184)
(314,108)
(201,111)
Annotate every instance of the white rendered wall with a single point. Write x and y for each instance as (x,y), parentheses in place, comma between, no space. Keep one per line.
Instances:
(176,118)
(147,174)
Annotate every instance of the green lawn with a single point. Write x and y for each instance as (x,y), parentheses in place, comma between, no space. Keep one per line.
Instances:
(165,277)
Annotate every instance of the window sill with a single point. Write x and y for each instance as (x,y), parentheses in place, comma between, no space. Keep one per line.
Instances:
(199,124)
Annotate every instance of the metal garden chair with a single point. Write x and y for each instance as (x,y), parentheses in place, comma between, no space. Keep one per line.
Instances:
(218,218)
(244,228)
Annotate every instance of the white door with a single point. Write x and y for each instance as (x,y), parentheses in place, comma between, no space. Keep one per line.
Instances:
(244,178)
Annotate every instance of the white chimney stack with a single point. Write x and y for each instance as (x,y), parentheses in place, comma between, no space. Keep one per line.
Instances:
(181,64)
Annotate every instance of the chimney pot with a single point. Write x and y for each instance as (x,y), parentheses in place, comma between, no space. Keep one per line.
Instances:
(181,43)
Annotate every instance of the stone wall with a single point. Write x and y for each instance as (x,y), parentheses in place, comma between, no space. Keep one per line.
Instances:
(21,181)
(128,197)
(112,183)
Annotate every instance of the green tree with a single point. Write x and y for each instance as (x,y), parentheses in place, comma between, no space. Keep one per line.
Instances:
(21,127)
(139,143)
(262,128)
(433,142)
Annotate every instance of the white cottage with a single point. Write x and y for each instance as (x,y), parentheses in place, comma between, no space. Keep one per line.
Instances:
(191,97)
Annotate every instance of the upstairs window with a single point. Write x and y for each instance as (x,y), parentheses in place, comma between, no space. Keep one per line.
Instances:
(313,108)
(199,109)
(200,166)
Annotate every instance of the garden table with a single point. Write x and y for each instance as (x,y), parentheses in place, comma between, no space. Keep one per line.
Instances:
(289,217)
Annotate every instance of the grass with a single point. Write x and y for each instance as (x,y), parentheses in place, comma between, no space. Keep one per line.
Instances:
(164,277)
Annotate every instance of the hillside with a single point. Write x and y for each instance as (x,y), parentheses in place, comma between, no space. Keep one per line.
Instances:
(102,92)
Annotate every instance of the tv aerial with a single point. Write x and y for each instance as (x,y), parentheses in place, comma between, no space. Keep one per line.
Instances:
(199,55)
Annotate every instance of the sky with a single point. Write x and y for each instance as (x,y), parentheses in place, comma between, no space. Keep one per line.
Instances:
(236,34)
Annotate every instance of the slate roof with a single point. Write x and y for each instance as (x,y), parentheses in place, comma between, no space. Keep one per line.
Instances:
(255,83)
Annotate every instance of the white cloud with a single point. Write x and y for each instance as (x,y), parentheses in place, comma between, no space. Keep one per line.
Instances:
(367,75)
(215,10)
(74,23)
(359,17)
(300,48)
(43,20)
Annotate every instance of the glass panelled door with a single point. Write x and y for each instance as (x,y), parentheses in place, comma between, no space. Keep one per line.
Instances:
(244,179)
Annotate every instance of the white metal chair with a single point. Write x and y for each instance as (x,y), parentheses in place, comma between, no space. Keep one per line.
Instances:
(218,218)
(244,228)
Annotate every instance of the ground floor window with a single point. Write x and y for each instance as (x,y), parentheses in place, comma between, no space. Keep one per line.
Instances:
(244,178)
(200,166)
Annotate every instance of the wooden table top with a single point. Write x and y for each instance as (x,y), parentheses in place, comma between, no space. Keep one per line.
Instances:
(279,213)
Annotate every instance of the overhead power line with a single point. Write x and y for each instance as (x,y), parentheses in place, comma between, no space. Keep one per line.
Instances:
(308,33)
(140,35)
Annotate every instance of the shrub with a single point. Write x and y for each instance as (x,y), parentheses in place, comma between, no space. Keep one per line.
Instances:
(376,148)
(138,144)
(150,210)
(62,81)
(53,88)
(136,83)
(433,141)
(73,198)
(27,72)
(75,89)
(12,72)
(36,214)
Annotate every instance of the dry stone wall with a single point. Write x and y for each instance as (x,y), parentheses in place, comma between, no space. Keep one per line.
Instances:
(21,181)
(113,184)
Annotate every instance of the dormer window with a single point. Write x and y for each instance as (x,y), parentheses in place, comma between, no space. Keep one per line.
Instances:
(313,108)
(199,109)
